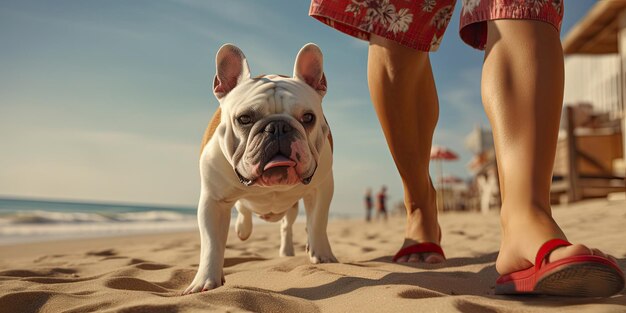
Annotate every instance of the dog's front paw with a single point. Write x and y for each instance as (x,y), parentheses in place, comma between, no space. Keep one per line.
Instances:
(317,256)
(286,250)
(203,283)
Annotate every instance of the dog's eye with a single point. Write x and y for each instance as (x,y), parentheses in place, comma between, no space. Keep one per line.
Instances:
(244,119)
(308,118)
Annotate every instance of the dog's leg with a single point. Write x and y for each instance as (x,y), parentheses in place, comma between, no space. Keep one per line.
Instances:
(213,222)
(317,205)
(286,233)
(243,226)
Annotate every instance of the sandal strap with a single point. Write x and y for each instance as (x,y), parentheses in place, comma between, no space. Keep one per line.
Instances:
(422,247)
(547,248)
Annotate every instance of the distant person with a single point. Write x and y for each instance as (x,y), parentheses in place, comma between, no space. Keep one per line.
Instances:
(368,204)
(522,92)
(381,204)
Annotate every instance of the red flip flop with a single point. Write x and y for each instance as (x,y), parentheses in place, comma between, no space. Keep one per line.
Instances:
(422,247)
(579,275)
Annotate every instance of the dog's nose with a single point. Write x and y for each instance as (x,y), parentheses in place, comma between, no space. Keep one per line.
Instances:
(278,128)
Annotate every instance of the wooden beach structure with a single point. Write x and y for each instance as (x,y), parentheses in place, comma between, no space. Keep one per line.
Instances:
(591,148)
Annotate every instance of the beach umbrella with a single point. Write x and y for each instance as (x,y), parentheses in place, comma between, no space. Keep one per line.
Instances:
(440,154)
(450,179)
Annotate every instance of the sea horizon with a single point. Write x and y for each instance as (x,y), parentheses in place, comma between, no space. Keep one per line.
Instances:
(26,219)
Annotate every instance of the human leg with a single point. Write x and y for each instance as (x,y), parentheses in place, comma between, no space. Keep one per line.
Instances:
(522,90)
(402,89)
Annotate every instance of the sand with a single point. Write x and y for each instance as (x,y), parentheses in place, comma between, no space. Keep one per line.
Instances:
(147,273)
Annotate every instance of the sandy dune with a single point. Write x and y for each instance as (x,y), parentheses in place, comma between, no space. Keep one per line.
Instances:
(147,273)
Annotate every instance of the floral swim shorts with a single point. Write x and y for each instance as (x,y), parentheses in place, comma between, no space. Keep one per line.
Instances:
(420,24)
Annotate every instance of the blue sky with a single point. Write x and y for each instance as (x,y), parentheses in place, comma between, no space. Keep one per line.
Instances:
(108,100)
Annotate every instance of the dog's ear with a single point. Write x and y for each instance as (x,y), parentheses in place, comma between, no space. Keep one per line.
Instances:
(231,68)
(309,67)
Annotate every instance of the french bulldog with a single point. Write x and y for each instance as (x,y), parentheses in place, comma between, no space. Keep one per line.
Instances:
(267,146)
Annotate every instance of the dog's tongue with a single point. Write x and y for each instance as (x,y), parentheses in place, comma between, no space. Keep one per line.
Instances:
(279,160)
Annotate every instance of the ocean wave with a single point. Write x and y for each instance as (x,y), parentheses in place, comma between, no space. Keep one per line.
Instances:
(20,233)
(47,217)
(37,221)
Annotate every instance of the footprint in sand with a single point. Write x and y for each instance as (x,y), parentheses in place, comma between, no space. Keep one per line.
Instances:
(24,301)
(55,271)
(147,265)
(258,300)
(152,266)
(20,273)
(178,279)
(107,252)
(131,283)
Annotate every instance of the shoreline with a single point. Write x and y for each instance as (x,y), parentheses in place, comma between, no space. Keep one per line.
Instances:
(16,234)
(31,220)
(60,232)
(35,233)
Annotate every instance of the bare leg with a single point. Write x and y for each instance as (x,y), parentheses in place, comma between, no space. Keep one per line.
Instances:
(522,91)
(403,91)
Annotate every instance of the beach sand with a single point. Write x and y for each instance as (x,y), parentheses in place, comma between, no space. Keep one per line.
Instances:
(147,273)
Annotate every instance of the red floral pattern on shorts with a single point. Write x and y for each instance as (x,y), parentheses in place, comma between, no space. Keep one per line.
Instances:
(420,24)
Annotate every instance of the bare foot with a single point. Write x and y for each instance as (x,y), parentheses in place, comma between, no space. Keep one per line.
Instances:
(421,228)
(523,233)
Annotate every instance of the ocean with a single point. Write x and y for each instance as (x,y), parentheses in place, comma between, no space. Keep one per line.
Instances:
(32,220)
(29,220)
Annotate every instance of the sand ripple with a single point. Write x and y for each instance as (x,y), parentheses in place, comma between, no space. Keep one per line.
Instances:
(147,273)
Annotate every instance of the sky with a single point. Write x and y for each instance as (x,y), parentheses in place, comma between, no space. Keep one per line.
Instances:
(108,100)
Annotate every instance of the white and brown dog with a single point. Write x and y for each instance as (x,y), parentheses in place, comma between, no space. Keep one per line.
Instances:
(267,146)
